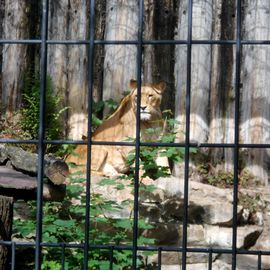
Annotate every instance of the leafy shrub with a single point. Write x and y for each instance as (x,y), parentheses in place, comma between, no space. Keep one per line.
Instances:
(30,110)
(98,110)
(64,222)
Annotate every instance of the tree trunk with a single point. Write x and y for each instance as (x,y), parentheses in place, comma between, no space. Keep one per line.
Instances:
(16,23)
(201,67)
(68,64)
(200,70)
(2,12)
(120,60)
(159,59)
(255,109)
(148,54)
(100,15)
(6,216)
(222,99)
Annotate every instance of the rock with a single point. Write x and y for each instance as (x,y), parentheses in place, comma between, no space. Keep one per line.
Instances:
(210,213)
(56,170)
(203,236)
(243,262)
(216,236)
(263,242)
(3,154)
(205,202)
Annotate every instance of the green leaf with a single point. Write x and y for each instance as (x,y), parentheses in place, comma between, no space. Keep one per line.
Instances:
(107,181)
(143,225)
(145,241)
(148,188)
(64,223)
(112,104)
(123,223)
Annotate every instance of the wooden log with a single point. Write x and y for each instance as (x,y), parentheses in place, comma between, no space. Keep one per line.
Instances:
(21,186)
(6,215)
(55,169)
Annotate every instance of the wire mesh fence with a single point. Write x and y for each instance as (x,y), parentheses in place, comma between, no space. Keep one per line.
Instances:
(87,247)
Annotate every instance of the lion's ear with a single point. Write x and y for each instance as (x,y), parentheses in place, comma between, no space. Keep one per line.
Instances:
(133,84)
(161,86)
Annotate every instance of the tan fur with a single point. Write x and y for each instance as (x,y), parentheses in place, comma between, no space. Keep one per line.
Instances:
(121,125)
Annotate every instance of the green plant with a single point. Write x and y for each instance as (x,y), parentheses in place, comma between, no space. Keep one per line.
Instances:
(64,222)
(149,154)
(30,110)
(252,203)
(98,110)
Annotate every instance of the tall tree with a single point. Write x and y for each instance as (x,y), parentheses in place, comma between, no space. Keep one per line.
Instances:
(68,63)
(222,97)
(159,59)
(255,109)
(200,68)
(122,18)
(15,58)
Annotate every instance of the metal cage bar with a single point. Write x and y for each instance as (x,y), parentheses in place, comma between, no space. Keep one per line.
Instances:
(41,135)
(187,136)
(41,143)
(236,134)
(89,139)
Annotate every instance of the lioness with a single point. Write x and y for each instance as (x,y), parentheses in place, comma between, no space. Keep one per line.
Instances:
(111,160)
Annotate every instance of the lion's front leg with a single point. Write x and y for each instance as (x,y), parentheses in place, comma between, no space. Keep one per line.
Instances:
(115,164)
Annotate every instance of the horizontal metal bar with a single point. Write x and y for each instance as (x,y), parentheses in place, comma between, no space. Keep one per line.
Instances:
(154,144)
(20,41)
(135,42)
(141,248)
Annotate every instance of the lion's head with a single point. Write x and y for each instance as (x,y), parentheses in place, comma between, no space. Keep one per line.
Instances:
(151,95)
(122,123)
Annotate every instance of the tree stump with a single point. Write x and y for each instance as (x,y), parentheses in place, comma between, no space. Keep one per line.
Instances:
(6,215)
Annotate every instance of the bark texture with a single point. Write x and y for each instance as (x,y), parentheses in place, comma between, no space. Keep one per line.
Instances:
(120,60)
(6,215)
(159,59)
(222,97)
(2,12)
(24,187)
(68,63)
(56,170)
(255,109)
(200,70)
(15,58)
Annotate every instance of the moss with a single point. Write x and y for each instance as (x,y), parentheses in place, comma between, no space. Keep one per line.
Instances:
(211,175)
(252,203)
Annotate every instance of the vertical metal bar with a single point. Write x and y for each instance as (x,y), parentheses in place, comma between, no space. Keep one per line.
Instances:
(41,134)
(13,255)
(236,133)
(159,258)
(260,260)
(137,150)
(63,256)
(187,139)
(111,257)
(210,259)
(89,139)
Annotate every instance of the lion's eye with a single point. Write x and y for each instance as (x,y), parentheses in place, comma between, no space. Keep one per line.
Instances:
(150,96)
